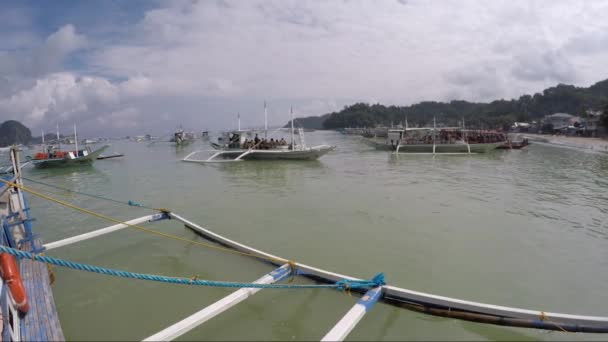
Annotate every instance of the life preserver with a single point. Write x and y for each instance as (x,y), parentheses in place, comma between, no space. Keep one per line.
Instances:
(11,277)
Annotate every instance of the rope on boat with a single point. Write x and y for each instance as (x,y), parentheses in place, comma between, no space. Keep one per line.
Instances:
(377,280)
(129,202)
(146,230)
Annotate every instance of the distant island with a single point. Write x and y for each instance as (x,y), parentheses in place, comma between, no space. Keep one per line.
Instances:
(14,132)
(496,114)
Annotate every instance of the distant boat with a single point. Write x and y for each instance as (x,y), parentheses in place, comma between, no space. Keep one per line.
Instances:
(58,158)
(55,157)
(238,145)
(181,138)
(439,140)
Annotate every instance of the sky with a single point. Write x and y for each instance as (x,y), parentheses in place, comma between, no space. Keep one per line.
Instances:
(135,67)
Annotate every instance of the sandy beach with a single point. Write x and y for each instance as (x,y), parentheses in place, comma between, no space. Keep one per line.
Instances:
(595,144)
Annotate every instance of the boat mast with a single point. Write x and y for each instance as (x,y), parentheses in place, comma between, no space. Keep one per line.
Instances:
(265,121)
(434,129)
(75,139)
(292,140)
(463,132)
(58,140)
(43,145)
(239,121)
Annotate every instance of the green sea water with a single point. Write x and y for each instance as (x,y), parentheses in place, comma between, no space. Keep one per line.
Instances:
(518,228)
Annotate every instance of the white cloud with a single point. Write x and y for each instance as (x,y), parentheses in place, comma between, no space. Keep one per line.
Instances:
(202,61)
(120,119)
(60,96)
(45,58)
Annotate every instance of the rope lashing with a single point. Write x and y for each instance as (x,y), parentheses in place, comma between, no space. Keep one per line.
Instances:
(134,204)
(176,280)
(346,285)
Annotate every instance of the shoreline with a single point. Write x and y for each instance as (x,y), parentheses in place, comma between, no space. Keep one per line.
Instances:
(593,144)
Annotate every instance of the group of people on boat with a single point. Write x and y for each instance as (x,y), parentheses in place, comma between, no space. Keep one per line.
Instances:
(263,144)
(446,136)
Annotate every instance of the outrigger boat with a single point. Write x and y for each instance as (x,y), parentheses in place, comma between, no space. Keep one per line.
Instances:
(232,146)
(181,138)
(51,157)
(438,140)
(40,322)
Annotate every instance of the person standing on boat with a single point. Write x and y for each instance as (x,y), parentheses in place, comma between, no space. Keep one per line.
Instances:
(256,140)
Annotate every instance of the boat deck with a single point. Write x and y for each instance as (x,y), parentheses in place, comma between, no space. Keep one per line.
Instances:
(42,322)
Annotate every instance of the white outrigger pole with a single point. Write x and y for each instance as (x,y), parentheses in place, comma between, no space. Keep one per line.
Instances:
(58,140)
(187,324)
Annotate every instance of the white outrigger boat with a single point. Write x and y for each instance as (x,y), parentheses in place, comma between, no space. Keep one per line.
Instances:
(373,290)
(438,140)
(238,146)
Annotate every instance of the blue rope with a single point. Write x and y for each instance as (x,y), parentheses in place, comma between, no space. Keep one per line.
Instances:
(129,203)
(378,280)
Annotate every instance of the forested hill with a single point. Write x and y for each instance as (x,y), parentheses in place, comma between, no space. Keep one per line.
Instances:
(13,132)
(314,122)
(499,113)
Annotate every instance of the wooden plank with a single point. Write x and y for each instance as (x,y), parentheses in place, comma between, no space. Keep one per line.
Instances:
(41,323)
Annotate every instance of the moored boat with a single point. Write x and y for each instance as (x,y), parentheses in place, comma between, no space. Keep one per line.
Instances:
(438,140)
(241,145)
(55,157)
(181,138)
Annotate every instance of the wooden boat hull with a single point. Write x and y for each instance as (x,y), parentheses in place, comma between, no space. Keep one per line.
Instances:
(67,162)
(311,153)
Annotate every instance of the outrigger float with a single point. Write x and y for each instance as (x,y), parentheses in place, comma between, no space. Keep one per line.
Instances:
(41,322)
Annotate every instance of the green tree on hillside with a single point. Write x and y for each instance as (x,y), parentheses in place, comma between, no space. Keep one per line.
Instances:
(496,114)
